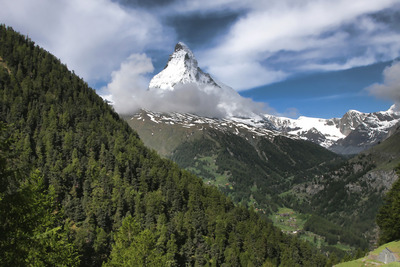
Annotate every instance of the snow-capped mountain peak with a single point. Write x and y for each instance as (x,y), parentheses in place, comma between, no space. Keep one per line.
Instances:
(312,129)
(394,109)
(182,68)
(182,76)
(354,132)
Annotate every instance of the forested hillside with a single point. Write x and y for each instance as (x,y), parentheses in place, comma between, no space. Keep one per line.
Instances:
(254,174)
(351,195)
(269,173)
(97,194)
(253,169)
(389,214)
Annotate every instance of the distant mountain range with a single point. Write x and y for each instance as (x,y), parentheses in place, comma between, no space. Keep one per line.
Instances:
(267,161)
(351,134)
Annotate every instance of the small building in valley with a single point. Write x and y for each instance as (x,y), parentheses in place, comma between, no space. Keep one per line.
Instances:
(387,256)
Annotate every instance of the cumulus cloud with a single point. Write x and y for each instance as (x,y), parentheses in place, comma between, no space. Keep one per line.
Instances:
(128,92)
(320,36)
(390,88)
(245,74)
(205,6)
(92,37)
(267,41)
(127,84)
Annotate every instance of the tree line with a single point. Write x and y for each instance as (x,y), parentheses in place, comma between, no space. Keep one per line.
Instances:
(78,187)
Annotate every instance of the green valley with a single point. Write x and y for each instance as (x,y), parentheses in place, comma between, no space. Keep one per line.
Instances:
(268,173)
(107,199)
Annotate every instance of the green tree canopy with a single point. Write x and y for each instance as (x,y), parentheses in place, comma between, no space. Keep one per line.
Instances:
(31,227)
(388,218)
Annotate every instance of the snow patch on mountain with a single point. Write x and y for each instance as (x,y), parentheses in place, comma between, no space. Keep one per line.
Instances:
(246,127)
(182,68)
(353,133)
(325,132)
(183,74)
(181,87)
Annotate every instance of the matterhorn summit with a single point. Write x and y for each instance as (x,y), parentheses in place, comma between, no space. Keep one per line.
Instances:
(183,94)
(183,80)
(182,68)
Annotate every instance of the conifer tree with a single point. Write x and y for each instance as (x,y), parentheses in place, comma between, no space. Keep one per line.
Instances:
(31,227)
(388,218)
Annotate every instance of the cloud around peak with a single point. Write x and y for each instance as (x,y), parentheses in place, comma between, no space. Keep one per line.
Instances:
(128,91)
(245,44)
(390,88)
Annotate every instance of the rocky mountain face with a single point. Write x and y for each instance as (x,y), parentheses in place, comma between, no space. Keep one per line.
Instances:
(182,77)
(182,68)
(351,134)
(267,162)
(351,194)
(240,156)
(365,130)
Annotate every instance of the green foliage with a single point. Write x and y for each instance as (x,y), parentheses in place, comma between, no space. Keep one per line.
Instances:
(257,172)
(121,203)
(31,227)
(321,226)
(342,198)
(388,217)
(137,247)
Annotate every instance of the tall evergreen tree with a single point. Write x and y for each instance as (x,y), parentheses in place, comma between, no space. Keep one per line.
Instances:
(388,217)
(31,227)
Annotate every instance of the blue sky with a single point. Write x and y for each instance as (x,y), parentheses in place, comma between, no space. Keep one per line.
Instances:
(325,94)
(315,58)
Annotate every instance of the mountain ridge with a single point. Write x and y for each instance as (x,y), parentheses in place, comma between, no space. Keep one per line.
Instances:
(182,67)
(351,134)
(182,76)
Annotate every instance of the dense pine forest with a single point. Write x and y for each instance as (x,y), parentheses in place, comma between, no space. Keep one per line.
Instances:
(78,187)
(388,217)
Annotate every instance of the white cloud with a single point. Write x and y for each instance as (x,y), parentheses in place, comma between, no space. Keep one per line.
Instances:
(333,34)
(390,88)
(283,26)
(350,63)
(92,37)
(129,83)
(245,74)
(205,6)
(128,93)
